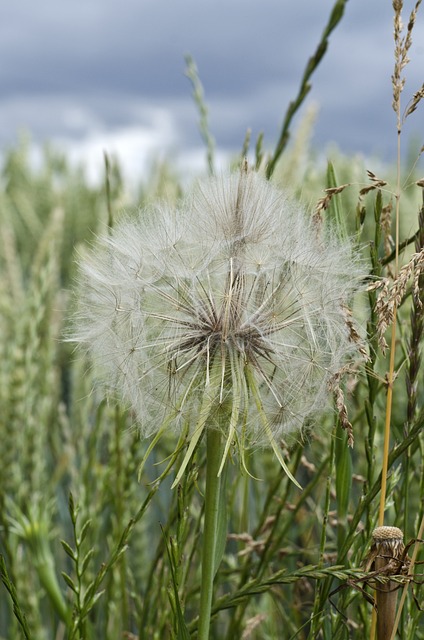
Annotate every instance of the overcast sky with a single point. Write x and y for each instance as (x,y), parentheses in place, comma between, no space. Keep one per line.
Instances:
(109,74)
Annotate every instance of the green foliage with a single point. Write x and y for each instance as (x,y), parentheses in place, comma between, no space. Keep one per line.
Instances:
(20,616)
(91,549)
(192,74)
(305,85)
(287,550)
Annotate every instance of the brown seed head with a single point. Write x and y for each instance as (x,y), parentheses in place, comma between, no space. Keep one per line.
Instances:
(387,543)
(382,534)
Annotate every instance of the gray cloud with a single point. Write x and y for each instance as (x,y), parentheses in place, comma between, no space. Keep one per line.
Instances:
(80,69)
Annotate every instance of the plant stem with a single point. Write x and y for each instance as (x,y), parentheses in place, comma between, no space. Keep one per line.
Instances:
(386,597)
(305,86)
(391,373)
(199,98)
(405,588)
(316,616)
(212,495)
(387,424)
(49,581)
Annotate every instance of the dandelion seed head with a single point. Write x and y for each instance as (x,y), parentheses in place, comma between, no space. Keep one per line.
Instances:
(231,297)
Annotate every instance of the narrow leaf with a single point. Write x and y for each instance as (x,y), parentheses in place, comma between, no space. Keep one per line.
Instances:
(68,549)
(19,614)
(71,584)
(335,211)
(182,631)
(84,531)
(86,560)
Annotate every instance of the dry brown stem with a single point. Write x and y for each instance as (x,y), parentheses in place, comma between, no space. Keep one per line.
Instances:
(387,558)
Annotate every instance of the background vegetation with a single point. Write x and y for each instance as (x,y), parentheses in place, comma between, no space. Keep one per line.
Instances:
(88,550)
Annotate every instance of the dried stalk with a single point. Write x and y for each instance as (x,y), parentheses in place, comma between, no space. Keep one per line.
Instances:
(387,558)
(411,564)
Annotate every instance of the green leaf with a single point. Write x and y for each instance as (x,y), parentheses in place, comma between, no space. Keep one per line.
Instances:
(68,549)
(73,509)
(89,595)
(86,560)
(19,614)
(96,597)
(182,632)
(84,531)
(343,480)
(335,211)
(71,584)
(378,207)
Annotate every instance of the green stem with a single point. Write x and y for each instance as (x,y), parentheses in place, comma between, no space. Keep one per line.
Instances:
(305,86)
(212,494)
(48,579)
(317,614)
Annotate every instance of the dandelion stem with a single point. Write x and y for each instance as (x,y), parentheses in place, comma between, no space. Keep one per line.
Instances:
(212,507)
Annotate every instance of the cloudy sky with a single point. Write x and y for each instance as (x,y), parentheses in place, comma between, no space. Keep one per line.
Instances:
(109,74)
